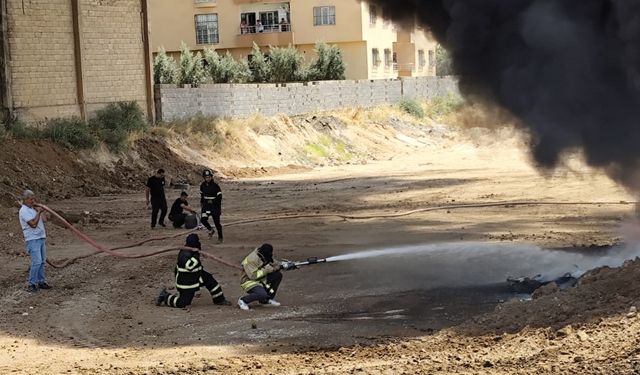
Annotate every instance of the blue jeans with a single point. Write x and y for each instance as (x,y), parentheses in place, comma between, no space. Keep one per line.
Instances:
(37,249)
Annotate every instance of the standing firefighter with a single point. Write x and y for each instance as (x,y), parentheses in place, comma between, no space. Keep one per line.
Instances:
(155,195)
(190,276)
(261,277)
(211,201)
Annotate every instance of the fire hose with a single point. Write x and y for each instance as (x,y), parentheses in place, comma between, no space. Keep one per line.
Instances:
(112,252)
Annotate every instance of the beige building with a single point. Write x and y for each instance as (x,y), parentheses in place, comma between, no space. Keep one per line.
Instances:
(61,58)
(372,47)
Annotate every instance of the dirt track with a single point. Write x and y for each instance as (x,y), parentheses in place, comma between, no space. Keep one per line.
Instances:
(377,316)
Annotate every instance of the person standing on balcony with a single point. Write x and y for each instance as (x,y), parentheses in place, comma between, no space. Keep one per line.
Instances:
(284,25)
(244,28)
(259,27)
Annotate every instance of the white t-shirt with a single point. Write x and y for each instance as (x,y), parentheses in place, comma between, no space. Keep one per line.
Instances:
(27,214)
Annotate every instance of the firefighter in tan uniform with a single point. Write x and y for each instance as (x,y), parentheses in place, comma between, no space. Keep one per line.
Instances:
(261,277)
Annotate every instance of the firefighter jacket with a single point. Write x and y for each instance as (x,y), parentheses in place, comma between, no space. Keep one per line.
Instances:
(255,271)
(211,196)
(188,270)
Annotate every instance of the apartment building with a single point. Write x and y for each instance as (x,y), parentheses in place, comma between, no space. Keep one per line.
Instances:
(373,47)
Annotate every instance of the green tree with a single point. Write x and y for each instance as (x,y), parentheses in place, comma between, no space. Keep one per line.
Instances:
(259,65)
(444,63)
(164,68)
(191,67)
(328,64)
(286,64)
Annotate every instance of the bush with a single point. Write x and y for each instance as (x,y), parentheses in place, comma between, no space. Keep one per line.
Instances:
(443,105)
(72,133)
(286,64)
(19,130)
(412,107)
(164,68)
(259,66)
(191,68)
(115,122)
(328,64)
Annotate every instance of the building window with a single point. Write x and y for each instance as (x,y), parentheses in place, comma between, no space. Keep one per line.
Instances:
(375,57)
(373,15)
(421,60)
(207,29)
(432,59)
(324,16)
(388,59)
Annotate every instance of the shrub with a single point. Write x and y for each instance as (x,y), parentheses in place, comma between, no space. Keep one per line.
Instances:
(71,132)
(443,105)
(328,64)
(412,107)
(19,130)
(286,64)
(115,122)
(191,68)
(164,68)
(259,66)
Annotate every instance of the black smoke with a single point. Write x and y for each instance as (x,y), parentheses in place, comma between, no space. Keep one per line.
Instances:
(568,69)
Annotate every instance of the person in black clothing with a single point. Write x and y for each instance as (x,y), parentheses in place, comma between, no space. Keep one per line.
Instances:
(176,214)
(155,195)
(211,201)
(190,276)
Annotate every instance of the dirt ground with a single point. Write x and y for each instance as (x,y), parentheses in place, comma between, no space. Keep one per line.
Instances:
(442,307)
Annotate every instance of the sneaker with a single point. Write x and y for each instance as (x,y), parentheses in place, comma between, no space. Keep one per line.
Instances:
(32,288)
(273,302)
(242,305)
(212,232)
(44,286)
(224,302)
(162,298)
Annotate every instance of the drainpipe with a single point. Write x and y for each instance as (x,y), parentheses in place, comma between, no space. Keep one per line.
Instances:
(147,60)
(6,98)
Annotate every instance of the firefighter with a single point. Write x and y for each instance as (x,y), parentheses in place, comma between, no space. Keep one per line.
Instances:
(261,277)
(190,276)
(211,201)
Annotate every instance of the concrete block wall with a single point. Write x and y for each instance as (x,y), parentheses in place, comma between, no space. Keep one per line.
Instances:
(42,61)
(242,100)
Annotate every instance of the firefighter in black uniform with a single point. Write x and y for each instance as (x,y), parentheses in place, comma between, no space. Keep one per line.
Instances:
(211,201)
(190,276)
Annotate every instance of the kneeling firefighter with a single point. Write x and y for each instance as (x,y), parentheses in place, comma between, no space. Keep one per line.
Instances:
(261,277)
(190,276)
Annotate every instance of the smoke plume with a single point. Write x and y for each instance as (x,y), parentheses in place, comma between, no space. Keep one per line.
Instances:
(568,69)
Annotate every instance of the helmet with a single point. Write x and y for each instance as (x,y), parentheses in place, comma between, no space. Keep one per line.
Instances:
(266,252)
(193,241)
(207,173)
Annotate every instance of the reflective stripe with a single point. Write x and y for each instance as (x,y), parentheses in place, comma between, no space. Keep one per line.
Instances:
(250,284)
(211,197)
(216,288)
(194,286)
(205,214)
(260,274)
(219,193)
(216,295)
(201,281)
(191,263)
(189,271)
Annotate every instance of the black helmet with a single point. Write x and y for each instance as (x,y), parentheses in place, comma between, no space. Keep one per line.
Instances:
(193,241)
(266,252)
(207,173)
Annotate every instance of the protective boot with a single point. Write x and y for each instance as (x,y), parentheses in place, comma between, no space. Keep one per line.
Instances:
(162,297)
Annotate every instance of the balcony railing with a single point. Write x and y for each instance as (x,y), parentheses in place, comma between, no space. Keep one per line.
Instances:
(274,28)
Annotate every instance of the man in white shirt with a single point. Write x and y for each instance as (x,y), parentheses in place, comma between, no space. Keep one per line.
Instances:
(32,222)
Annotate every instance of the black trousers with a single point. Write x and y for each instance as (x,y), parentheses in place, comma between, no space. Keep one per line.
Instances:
(208,211)
(185,296)
(161,206)
(178,220)
(262,294)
